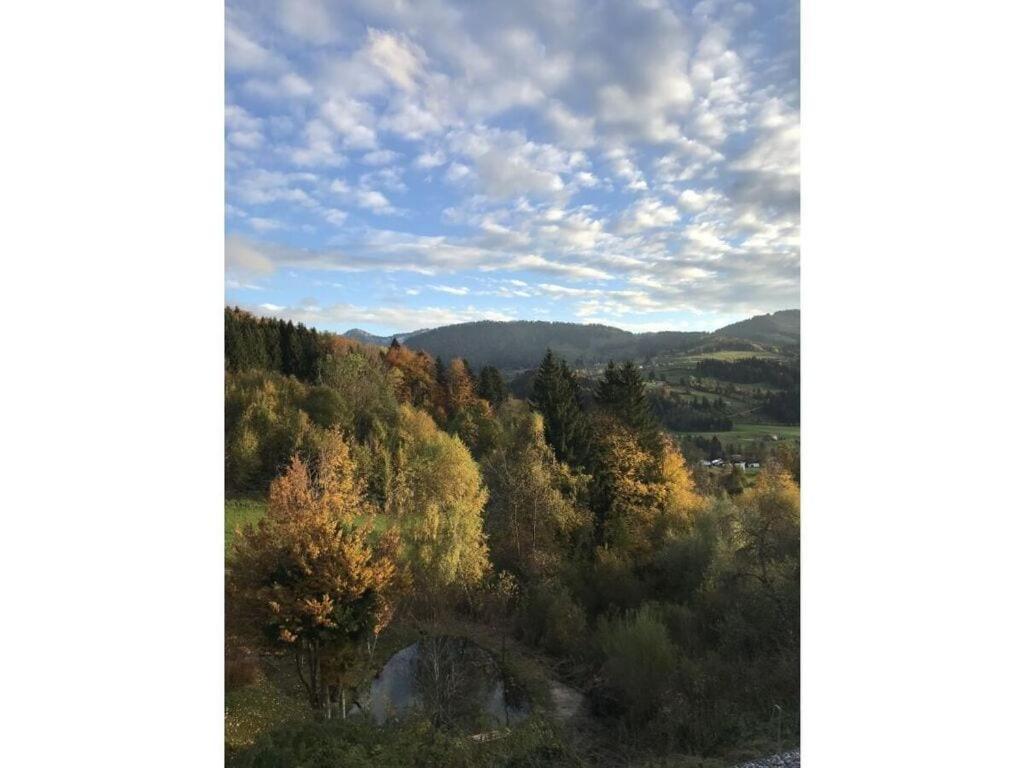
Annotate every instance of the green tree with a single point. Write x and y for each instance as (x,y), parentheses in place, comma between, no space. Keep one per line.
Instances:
(621,392)
(491,386)
(556,395)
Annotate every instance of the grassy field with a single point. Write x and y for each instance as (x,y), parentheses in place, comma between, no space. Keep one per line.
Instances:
(239,512)
(753,433)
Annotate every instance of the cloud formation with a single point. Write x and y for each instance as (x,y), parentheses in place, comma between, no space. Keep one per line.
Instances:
(628,162)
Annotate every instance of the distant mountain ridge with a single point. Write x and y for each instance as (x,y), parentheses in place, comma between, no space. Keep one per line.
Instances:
(520,344)
(365,337)
(782,327)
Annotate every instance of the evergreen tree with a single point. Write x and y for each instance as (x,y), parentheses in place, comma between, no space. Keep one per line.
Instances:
(491,386)
(622,393)
(556,395)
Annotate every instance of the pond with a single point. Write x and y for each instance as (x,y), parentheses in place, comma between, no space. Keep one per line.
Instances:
(451,680)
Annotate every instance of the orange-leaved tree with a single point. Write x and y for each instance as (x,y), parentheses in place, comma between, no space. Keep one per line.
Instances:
(312,576)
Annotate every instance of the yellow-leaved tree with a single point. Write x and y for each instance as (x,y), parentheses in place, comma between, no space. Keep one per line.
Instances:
(438,498)
(532,515)
(312,577)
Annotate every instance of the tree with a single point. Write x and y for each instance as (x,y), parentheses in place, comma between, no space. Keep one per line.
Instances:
(767,542)
(532,515)
(627,495)
(621,392)
(311,576)
(458,384)
(556,395)
(491,386)
(437,499)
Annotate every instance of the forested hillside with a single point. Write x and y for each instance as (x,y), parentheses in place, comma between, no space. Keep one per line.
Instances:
(518,345)
(393,497)
(781,327)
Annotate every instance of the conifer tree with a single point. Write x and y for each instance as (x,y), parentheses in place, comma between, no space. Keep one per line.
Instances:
(491,386)
(622,393)
(556,396)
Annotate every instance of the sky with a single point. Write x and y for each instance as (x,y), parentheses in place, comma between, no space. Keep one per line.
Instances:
(401,165)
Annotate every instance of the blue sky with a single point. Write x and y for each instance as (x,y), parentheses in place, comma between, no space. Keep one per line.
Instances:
(403,165)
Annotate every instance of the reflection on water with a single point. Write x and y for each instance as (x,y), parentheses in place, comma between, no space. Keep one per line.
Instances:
(453,680)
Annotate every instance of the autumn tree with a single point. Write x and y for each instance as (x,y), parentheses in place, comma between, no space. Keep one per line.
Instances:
(767,542)
(532,514)
(416,381)
(459,388)
(311,576)
(628,495)
(437,498)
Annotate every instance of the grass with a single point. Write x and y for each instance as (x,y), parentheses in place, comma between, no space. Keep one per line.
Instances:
(239,513)
(754,433)
(273,698)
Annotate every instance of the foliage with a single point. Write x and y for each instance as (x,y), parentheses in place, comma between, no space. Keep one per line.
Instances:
(437,499)
(551,619)
(751,370)
(265,425)
(403,487)
(491,386)
(639,662)
(683,414)
(621,392)
(252,343)
(308,575)
(532,515)
(627,494)
(556,396)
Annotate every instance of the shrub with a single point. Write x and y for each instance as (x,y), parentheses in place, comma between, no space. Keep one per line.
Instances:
(552,620)
(639,662)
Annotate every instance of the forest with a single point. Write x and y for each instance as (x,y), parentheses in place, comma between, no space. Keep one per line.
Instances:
(631,611)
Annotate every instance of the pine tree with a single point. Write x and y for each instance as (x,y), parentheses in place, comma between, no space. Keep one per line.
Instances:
(556,396)
(491,386)
(622,393)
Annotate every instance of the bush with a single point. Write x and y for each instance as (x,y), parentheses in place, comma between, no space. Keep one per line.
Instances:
(552,620)
(639,662)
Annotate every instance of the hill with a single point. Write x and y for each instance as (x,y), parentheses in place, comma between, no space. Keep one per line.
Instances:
(520,344)
(782,327)
(365,337)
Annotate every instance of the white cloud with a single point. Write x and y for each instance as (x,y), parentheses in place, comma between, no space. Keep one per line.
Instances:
(695,202)
(453,290)
(648,213)
(261,224)
(399,60)
(380,157)
(679,129)
(373,200)
(430,159)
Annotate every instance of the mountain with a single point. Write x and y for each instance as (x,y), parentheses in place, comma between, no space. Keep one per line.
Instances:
(782,327)
(520,344)
(365,337)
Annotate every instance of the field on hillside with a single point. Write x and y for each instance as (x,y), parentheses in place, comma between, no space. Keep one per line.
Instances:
(743,434)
